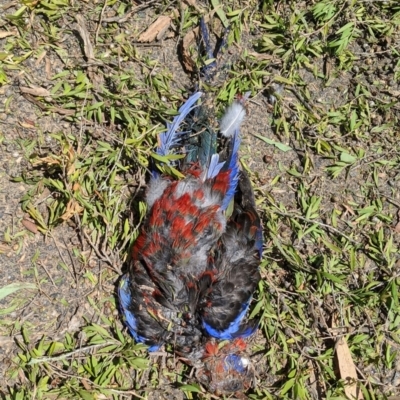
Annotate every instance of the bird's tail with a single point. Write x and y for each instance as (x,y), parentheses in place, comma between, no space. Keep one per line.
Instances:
(199,145)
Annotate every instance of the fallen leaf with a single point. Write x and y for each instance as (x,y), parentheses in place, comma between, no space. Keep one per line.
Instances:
(88,50)
(347,370)
(86,384)
(35,91)
(4,248)
(62,111)
(156,30)
(188,64)
(45,160)
(4,34)
(27,123)
(313,380)
(261,56)
(191,2)
(40,57)
(73,208)
(31,226)
(346,366)
(84,33)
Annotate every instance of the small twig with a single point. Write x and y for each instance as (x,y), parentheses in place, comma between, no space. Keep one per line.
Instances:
(100,21)
(328,227)
(71,258)
(124,18)
(390,200)
(148,44)
(47,272)
(99,254)
(329,21)
(74,276)
(360,162)
(124,393)
(70,354)
(304,102)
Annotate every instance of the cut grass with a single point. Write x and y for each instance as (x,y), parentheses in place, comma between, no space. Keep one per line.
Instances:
(330,206)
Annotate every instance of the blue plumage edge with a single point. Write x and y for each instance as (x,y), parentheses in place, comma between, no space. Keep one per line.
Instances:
(234,330)
(169,139)
(171,136)
(130,319)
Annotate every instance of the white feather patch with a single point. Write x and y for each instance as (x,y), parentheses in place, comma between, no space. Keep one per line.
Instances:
(232,119)
(155,190)
(245,361)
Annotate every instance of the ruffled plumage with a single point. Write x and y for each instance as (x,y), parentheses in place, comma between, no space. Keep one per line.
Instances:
(193,269)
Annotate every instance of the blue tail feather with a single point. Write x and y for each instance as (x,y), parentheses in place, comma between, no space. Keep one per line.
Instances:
(171,137)
(233,166)
(206,39)
(215,167)
(208,69)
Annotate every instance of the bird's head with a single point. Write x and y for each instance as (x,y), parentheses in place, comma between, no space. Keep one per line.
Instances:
(226,369)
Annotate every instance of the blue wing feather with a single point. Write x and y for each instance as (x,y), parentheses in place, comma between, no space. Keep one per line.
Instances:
(235,329)
(171,137)
(233,166)
(124,296)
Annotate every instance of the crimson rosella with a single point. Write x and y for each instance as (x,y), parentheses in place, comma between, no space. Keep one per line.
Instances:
(194,265)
